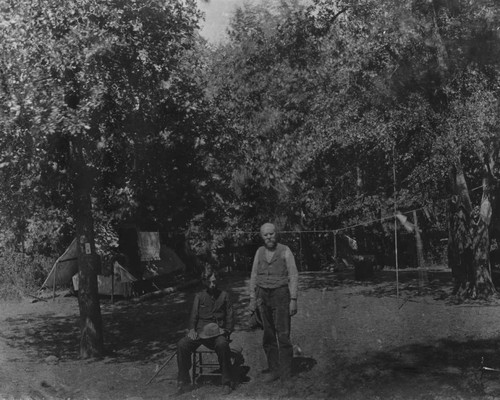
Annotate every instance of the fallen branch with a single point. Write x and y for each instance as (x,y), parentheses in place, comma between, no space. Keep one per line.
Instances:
(35,298)
(163,366)
(169,290)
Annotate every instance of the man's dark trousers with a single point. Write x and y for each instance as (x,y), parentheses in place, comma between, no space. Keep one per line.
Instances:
(274,305)
(187,346)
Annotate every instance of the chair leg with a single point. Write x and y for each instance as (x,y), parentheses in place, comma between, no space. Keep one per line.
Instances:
(194,368)
(199,365)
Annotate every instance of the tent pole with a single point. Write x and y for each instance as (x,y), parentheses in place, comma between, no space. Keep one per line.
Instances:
(335,245)
(300,247)
(54,283)
(395,218)
(113,283)
(396,255)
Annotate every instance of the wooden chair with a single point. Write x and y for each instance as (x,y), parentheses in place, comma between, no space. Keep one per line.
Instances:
(205,362)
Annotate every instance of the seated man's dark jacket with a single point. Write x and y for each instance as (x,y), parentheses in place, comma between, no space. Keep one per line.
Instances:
(208,308)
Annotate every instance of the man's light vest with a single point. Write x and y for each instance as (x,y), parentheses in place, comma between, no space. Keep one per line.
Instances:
(273,274)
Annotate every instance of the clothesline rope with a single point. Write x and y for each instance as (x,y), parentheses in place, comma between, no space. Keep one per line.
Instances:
(364,223)
(335,231)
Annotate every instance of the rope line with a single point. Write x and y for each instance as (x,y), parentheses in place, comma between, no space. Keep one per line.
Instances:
(335,230)
(364,223)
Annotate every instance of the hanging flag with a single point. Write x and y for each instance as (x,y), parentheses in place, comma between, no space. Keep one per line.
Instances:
(404,221)
(149,245)
(352,243)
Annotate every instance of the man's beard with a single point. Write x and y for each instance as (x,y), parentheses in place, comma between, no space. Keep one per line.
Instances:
(270,244)
(212,291)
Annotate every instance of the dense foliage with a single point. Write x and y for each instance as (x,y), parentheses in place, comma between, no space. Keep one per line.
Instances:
(342,109)
(99,117)
(317,115)
(116,80)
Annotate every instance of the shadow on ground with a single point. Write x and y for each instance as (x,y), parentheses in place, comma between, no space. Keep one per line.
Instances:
(410,284)
(302,364)
(445,368)
(147,331)
(133,331)
(346,277)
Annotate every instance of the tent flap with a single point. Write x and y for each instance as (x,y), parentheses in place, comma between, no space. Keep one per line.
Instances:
(64,267)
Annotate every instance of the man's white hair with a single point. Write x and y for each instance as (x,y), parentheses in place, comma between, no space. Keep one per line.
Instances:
(266,225)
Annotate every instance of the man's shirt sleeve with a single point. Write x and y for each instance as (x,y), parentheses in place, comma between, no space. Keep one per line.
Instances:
(253,275)
(293,274)
(193,319)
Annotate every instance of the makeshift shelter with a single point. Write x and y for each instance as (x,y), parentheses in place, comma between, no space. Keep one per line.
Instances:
(167,263)
(64,268)
(65,273)
(120,283)
(156,260)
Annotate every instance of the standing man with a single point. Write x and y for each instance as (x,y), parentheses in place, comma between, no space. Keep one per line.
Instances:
(210,324)
(273,290)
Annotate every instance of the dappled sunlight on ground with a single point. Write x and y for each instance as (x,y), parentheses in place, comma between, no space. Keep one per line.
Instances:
(386,339)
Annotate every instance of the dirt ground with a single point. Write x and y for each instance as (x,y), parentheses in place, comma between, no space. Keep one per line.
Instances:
(353,340)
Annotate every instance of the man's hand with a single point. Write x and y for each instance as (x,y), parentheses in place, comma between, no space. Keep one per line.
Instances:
(252,306)
(293,307)
(192,334)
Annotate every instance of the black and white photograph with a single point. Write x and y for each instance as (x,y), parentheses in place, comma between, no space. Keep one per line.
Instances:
(249,199)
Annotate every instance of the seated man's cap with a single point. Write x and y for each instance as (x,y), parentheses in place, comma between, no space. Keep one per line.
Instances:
(211,330)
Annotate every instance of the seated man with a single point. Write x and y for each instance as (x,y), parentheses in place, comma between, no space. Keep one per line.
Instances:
(211,309)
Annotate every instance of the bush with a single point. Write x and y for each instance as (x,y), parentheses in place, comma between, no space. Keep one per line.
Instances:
(22,273)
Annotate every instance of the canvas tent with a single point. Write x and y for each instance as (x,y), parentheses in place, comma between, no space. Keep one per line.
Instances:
(167,263)
(156,260)
(64,268)
(64,272)
(120,283)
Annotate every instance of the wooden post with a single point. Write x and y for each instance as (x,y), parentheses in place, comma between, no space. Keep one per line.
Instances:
(54,282)
(300,249)
(395,219)
(396,253)
(112,283)
(335,245)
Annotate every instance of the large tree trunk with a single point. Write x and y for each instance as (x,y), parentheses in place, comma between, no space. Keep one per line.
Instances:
(494,191)
(469,243)
(423,279)
(459,234)
(481,244)
(91,338)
